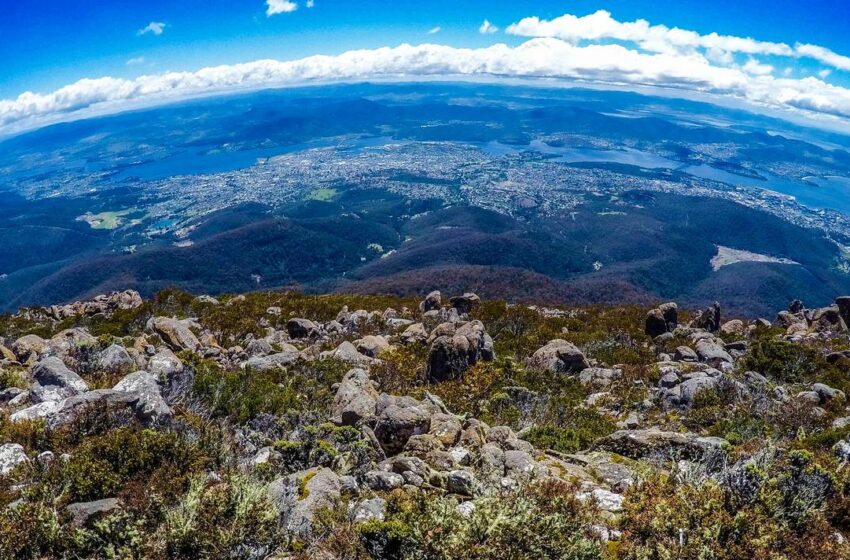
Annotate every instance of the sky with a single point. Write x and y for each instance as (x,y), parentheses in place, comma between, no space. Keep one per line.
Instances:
(61,58)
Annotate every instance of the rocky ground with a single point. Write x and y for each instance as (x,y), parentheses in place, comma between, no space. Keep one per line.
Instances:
(278,425)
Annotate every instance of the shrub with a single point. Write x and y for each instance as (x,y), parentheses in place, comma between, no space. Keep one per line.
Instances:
(579,430)
(785,361)
(232,518)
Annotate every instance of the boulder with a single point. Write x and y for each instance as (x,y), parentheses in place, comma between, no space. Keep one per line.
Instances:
(373,509)
(273,361)
(559,356)
(346,352)
(709,319)
(52,371)
(735,326)
(383,481)
(300,496)
(371,345)
(432,302)
(29,347)
(599,378)
(414,333)
(302,328)
(465,303)
(35,412)
(843,305)
(70,408)
(150,406)
(65,341)
(176,333)
(655,324)
(670,311)
(685,354)
(115,358)
(399,419)
(11,455)
(713,353)
(653,443)
(451,355)
(355,398)
(690,388)
(164,363)
(462,482)
(85,513)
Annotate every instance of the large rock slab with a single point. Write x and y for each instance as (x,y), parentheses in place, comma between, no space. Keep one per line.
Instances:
(355,398)
(559,356)
(176,333)
(653,443)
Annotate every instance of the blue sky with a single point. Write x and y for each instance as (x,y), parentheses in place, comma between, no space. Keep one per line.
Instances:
(49,44)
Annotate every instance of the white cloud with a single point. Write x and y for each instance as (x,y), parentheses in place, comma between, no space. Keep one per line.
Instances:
(310,3)
(756,68)
(155,27)
(662,39)
(136,61)
(274,7)
(487,28)
(825,73)
(653,38)
(679,70)
(823,55)
(434,30)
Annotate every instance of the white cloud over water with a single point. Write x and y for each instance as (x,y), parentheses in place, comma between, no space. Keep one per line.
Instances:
(595,49)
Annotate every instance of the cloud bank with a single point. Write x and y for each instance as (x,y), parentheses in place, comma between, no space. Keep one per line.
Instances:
(675,59)
(662,39)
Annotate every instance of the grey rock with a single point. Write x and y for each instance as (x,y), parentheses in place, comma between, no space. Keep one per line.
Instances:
(685,354)
(36,411)
(655,324)
(85,513)
(709,319)
(271,362)
(347,352)
(299,496)
(164,363)
(462,482)
(355,398)
(713,353)
(690,389)
(374,509)
(371,345)
(52,371)
(414,333)
(150,406)
(827,393)
(11,455)
(653,443)
(599,377)
(115,358)
(450,356)
(302,328)
(465,303)
(28,347)
(398,421)
(383,481)
(559,356)
(432,302)
(176,333)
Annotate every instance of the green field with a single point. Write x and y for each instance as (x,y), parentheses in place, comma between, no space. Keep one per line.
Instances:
(322,194)
(106,220)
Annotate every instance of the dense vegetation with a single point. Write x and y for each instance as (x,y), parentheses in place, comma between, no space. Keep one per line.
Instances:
(192,488)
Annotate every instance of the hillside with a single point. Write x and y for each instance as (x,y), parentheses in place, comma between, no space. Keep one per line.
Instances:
(281,425)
